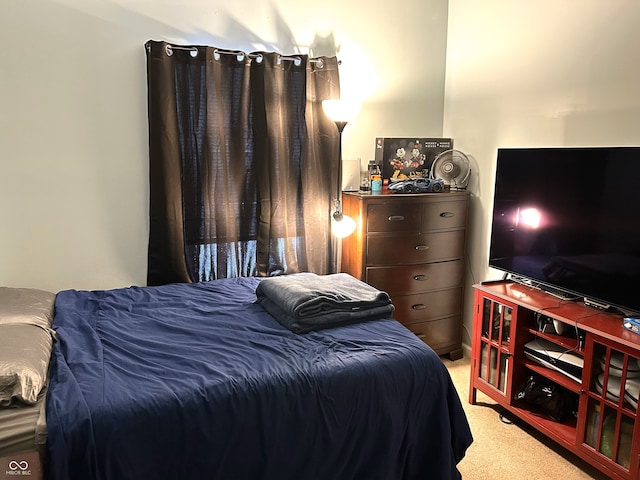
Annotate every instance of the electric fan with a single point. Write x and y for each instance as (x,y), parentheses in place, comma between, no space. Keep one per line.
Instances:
(453,167)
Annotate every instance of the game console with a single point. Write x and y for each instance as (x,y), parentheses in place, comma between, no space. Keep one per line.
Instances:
(554,356)
(550,325)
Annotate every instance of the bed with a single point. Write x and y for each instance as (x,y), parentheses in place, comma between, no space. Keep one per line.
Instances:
(26,340)
(195,381)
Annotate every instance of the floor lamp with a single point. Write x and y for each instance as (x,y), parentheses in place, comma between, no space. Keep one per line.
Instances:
(340,112)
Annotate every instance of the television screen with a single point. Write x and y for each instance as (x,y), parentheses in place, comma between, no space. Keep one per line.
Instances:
(568,220)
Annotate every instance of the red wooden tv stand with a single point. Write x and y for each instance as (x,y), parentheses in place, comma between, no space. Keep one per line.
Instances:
(605,433)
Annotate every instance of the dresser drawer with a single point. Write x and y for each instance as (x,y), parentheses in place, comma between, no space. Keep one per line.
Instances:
(439,334)
(416,278)
(409,249)
(444,215)
(394,217)
(427,306)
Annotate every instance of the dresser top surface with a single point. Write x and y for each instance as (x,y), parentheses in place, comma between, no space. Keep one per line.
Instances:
(386,195)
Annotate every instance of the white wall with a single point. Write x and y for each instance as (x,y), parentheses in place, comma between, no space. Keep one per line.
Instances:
(543,73)
(73,127)
(73,131)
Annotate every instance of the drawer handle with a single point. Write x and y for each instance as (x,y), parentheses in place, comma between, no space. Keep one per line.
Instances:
(419,306)
(420,278)
(422,247)
(447,214)
(396,218)
(420,335)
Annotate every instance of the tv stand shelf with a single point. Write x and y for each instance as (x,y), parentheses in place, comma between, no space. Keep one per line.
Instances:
(604,431)
(565,342)
(555,377)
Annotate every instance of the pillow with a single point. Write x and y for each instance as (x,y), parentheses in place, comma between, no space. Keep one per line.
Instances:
(26,305)
(25,343)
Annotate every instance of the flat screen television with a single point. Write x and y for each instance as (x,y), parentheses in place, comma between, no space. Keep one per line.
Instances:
(567,220)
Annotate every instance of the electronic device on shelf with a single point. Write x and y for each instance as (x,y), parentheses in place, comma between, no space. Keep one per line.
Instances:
(555,357)
(550,325)
(565,219)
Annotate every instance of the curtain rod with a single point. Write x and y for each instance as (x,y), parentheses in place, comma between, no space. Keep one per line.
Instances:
(240,54)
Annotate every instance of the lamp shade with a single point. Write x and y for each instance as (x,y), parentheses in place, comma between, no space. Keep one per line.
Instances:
(342,225)
(340,110)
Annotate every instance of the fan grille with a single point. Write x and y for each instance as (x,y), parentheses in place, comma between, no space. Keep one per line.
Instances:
(449,168)
(453,167)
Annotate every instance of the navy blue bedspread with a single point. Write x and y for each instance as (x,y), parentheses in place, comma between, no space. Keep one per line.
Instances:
(196,381)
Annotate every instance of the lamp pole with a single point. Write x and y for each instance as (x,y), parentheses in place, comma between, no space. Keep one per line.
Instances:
(340,124)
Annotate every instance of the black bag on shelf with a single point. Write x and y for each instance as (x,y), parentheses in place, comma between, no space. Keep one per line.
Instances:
(551,399)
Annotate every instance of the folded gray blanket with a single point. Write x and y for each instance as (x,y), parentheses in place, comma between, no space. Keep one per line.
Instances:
(304,302)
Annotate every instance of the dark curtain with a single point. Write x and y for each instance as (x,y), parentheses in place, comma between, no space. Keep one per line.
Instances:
(243,163)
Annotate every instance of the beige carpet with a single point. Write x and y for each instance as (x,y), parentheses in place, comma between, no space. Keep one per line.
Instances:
(510,451)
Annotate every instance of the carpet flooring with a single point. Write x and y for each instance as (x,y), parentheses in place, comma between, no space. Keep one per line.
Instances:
(506,448)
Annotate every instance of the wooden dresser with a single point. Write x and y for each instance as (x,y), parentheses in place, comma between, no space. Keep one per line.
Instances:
(413,247)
